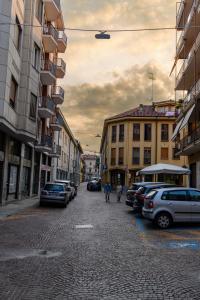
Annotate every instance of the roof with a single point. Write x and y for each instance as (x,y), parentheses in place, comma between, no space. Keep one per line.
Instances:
(140,111)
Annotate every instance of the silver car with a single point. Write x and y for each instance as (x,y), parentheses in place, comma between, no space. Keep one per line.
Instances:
(70,188)
(54,193)
(168,205)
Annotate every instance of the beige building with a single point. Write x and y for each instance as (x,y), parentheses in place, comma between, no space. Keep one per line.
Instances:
(187,132)
(67,164)
(138,138)
(29,69)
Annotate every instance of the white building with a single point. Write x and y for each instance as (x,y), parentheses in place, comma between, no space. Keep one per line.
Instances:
(91,165)
(29,69)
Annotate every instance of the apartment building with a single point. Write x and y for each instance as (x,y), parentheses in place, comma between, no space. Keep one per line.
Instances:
(67,164)
(187,132)
(91,166)
(138,138)
(31,40)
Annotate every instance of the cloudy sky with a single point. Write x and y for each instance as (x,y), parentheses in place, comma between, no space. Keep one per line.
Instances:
(106,77)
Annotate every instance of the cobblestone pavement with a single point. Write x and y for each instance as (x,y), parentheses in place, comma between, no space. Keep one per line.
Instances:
(118,255)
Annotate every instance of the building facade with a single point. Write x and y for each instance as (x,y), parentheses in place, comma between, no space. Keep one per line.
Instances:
(139,138)
(187,132)
(32,38)
(91,166)
(67,164)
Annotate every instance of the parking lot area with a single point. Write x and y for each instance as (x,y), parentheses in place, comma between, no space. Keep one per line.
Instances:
(178,236)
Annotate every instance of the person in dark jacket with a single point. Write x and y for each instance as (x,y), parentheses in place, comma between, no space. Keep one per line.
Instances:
(107,191)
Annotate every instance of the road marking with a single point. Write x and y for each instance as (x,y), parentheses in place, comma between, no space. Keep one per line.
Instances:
(85,226)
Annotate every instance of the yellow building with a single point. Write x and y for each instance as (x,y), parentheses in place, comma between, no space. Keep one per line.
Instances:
(138,138)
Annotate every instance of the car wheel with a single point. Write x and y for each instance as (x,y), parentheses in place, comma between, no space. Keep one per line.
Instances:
(163,220)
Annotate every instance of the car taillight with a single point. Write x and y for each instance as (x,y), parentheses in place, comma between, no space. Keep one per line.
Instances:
(150,204)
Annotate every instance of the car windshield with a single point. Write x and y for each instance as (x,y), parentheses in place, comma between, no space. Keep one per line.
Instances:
(54,187)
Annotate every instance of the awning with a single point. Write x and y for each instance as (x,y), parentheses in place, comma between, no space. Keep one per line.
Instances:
(176,130)
(164,169)
(187,116)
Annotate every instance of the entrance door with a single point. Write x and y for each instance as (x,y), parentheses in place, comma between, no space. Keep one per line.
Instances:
(193,176)
(12,182)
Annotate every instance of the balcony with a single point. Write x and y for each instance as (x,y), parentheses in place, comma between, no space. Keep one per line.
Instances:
(190,144)
(44,144)
(48,72)
(182,13)
(57,94)
(50,38)
(186,76)
(56,151)
(55,125)
(52,9)
(191,96)
(60,68)
(46,107)
(190,32)
(62,41)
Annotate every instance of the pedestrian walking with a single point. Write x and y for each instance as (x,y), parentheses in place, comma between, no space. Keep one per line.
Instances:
(119,190)
(107,191)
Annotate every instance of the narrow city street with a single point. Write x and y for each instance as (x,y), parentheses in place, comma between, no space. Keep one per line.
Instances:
(96,250)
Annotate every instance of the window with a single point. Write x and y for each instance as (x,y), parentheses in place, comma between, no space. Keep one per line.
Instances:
(174,156)
(174,196)
(33,107)
(13,92)
(147,156)
(114,134)
(164,153)
(121,156)
(136,132)
(121,133)
(36,57)
(17,34)
(113,157)
(147,132)
(136,156)
(164,132)
(39,10)
(194,195)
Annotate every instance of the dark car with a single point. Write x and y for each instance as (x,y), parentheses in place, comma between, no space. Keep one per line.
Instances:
(130,194)
(143,191)
(54,193)
(94,185)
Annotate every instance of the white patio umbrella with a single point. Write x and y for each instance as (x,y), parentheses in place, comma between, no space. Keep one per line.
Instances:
(164,169)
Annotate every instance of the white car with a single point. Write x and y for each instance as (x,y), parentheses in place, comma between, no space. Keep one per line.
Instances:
(70,188)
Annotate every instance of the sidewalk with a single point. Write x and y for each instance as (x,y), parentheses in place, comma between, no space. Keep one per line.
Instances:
(15,207)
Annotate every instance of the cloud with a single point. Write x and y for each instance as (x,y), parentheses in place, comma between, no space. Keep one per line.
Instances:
(87,105)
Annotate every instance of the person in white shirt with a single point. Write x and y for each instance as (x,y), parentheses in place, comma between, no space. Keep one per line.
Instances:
(119,190)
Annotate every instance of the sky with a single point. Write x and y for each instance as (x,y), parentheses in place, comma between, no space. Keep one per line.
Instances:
(107,77)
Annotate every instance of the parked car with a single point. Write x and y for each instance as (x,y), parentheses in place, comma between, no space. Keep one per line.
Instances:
(143,191)
(130,194)
(165,206)
(70,187)
(54,193)
(94,185)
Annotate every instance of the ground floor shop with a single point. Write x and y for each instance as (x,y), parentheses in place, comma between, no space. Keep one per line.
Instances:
(194,165)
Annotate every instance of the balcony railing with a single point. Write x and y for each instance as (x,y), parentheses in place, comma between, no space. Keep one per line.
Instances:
(49,29)
(47,102)
(62,36)
(57,91)
(45,141)
(59,62)
(49,66)
(193,93)
(56,150)
(180,12)
(190,139)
